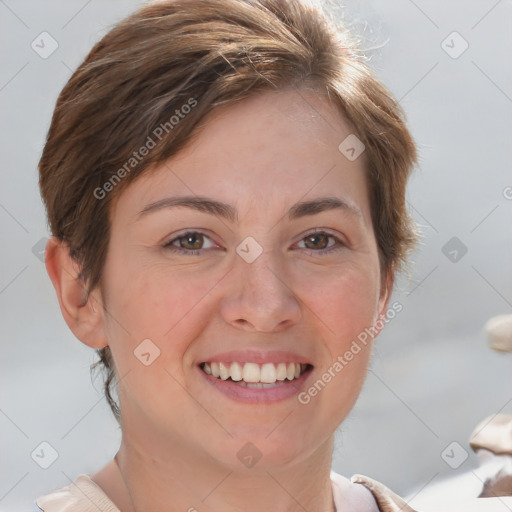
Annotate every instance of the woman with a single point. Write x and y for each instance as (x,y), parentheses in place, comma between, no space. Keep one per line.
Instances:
(225,185)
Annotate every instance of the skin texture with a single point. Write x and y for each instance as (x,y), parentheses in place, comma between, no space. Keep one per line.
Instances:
(181,435)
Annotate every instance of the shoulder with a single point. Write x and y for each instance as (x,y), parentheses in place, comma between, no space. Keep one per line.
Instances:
(82,495)
(368,494)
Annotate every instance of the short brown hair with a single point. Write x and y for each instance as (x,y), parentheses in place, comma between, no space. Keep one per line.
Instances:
(207,53)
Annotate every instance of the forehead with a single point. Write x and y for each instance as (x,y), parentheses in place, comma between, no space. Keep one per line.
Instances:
(269,149)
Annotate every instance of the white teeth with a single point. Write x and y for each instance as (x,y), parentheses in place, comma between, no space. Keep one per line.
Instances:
(268,373)
(253,373)
(281,371)
(224,371)
(236,372)
(215,369)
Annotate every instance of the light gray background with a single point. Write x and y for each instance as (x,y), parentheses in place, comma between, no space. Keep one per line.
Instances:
(433,377)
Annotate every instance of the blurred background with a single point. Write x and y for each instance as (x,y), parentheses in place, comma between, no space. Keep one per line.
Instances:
(432,379)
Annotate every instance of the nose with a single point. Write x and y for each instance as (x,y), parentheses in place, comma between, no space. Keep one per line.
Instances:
(261,297)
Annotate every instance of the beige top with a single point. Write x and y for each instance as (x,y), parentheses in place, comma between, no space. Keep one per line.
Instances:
(84,495)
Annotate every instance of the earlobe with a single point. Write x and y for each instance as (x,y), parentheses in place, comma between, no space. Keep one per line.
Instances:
(82,314)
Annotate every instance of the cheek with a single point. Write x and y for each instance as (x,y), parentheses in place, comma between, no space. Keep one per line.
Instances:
(346,309)
(345,302)
(160,304)
(154,316)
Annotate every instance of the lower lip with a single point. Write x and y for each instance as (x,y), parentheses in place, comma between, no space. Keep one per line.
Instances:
(281,392)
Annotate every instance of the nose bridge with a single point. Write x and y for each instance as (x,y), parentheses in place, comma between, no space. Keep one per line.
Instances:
(261,296)
(260,275)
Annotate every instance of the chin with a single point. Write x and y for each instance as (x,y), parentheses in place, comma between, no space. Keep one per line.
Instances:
(257,451)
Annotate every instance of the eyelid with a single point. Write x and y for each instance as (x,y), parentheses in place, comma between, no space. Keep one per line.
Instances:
(342,238)
(325,231)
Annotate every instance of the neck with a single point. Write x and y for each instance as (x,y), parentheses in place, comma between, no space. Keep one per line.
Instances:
(184,480)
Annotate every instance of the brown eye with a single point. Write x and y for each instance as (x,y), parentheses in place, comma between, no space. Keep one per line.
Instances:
(191,241)
(318,241)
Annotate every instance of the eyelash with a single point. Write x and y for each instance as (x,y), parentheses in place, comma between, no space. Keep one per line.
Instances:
(196,252)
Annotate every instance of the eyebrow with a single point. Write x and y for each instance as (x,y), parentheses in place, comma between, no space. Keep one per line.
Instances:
(227,211)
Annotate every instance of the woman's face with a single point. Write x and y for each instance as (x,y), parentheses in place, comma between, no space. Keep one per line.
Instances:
(249,282)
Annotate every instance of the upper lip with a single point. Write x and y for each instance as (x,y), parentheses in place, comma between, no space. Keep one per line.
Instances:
(256,356)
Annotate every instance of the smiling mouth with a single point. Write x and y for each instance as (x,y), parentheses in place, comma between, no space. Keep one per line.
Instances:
(256,375)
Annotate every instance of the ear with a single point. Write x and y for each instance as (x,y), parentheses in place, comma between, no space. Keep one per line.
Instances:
(84,317)
(384,296)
